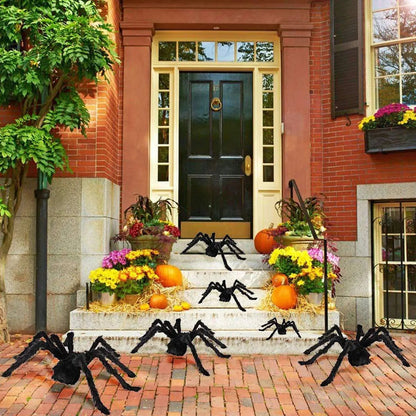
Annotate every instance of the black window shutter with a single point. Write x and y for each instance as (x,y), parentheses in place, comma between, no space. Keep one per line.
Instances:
(347,57)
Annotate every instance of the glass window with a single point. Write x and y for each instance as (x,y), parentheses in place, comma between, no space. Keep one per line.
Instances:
(187,51)
(245,51)
(225,51)
(394,48)
(264,51)
(206,51)
(167,51)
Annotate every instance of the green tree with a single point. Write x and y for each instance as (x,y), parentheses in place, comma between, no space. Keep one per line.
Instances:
(47,48)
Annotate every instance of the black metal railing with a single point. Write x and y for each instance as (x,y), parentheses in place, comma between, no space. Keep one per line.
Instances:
(295,189)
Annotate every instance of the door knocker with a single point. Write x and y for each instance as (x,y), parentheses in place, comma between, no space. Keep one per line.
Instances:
(216,104)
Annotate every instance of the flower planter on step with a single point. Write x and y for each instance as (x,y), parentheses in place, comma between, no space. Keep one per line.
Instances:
(390,139)
(152,242)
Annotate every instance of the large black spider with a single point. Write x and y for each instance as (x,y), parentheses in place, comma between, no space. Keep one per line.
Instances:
(70,364)
(227,293)
(355,349)
(214,248)
(280,328)
(181,340)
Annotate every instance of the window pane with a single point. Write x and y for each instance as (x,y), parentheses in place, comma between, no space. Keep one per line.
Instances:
(163,173)
(267,154)
(388,91)
(412,306)
(392,224)
(167,51)
(409,57)
(225,51)
(186,51)
(206,51)
(385,25)
(406,2)
(267,100)
(163,136)
(411,277)
(163,99)
(268,118)
(409,89)
(245,51)
(267,136)
(268,82)
(264,51)
(393,306)
(163,81)
(410,218)
(392,277)
(163,118)
(407,22)
(387,60)
(163,154)
(383,4)
(267,173)
(411,248)
(392,249)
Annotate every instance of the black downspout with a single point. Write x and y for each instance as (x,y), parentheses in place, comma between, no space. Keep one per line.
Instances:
(42,196)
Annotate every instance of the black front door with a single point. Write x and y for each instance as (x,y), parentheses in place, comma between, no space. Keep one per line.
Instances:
(216,147)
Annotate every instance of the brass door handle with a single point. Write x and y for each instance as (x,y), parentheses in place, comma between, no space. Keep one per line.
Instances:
(247,166)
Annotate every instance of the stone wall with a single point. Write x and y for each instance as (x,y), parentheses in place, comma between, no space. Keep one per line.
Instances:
(83,216)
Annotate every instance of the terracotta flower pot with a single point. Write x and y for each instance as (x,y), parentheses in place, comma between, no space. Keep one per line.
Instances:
(152,242)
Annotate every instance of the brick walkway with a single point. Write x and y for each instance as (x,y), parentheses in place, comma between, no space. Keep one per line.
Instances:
(256,385)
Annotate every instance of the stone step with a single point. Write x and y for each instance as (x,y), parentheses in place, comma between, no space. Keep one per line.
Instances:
(237,342)
(247,245)
(223,319)
(250,278)
(204,262)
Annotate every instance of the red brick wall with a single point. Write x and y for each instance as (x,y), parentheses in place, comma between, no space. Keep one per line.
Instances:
(339,162)
(98,155)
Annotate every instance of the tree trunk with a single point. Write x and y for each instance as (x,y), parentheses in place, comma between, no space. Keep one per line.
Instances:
(4,329)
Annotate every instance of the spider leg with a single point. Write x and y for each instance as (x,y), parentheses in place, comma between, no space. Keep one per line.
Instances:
(293,325)
(233,248)
(210,288)
(110,356)
(50,346)
(334,328)
(94,393)
(224,260)
(69,342)
(26,355)
(367,339)
(208,338)
(245,291)
(332,340)
(59,345)
(157,326)
(237,302)
(199,237)
(268,324)
(197,359)
(101,341)
(273,332)
(101,355)
(394,348)
(199,324)
(331,376)
(229,241)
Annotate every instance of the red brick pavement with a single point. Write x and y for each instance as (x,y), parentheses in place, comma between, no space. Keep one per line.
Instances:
(240,386)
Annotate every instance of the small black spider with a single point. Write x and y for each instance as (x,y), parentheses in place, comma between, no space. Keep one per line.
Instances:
(355,349)
(227,293)
(214,248)
(280,328)
(181,340)
(70,364)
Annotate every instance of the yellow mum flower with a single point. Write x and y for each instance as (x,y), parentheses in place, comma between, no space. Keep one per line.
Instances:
(365,120)
(300,282)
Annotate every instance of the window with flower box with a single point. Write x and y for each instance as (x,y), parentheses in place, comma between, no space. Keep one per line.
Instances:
(393,50)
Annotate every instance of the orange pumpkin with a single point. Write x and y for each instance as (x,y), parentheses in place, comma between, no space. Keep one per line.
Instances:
(264,241)
(284,297)
(279,279)
(158,301)
(169,275)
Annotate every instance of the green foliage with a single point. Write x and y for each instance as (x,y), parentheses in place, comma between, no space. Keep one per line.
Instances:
(148,212)
(131,287)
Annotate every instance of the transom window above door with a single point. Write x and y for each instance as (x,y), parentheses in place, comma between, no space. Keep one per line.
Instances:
(216,51)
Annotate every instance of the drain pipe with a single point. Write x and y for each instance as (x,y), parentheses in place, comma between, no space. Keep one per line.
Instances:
(42,196)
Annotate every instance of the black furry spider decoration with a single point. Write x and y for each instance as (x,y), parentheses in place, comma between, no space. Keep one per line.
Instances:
(181,340)
(355,349)
(70,364)
(226,293)
(214,248)
(280,328)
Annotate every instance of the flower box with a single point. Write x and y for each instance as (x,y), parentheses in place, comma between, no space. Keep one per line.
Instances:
(390,139)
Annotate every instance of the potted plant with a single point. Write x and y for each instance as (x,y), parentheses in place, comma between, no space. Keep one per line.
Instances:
(147,225)
(391,128)
(124,272)
(305,270)
(295,229)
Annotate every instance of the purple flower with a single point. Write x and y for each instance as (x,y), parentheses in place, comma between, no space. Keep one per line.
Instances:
(390,109)
(115,259)
(318,254)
